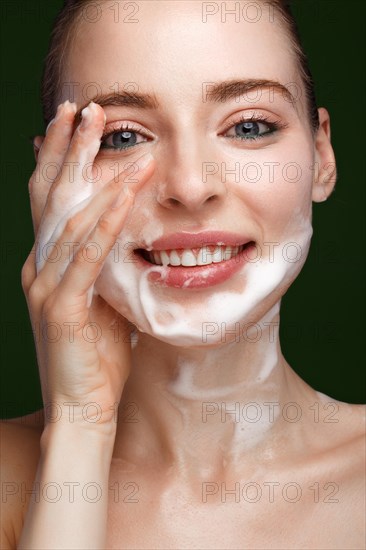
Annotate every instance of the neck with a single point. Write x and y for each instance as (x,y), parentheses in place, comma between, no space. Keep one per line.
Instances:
(223,402)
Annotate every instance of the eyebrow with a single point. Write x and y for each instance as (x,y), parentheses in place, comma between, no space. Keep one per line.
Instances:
(215,93)
(123,99)
(229,89)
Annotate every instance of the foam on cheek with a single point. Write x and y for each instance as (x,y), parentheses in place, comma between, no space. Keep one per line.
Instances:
(180,322)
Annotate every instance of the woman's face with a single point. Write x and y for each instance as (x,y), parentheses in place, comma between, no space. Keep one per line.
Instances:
(214,171)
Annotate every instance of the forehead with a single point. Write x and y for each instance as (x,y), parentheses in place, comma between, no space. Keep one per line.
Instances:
(173,47)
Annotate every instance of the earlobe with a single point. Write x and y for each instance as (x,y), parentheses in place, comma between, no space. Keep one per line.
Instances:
(326,174)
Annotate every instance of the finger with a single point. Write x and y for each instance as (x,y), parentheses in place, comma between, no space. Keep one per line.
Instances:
(29,272)
(50,158)
(83,149)
(73,230)
(71,188)
(81,273)
(37,144)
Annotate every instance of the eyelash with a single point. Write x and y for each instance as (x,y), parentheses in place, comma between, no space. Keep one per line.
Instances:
(123,127)
(274,126)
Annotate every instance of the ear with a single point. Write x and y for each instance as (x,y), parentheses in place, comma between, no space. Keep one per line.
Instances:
(37,143)
(325,174)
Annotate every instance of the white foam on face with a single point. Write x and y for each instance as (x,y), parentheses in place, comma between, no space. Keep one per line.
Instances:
(166,315)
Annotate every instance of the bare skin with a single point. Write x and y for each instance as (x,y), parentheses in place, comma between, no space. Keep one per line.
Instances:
(176,441)
(329,514)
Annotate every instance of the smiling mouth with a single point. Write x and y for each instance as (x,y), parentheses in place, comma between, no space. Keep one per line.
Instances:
(192,257)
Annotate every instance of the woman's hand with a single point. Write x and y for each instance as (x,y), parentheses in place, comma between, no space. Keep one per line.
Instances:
(83,366)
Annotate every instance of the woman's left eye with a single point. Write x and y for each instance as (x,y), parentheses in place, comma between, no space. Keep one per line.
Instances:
(253,129)
(121,138)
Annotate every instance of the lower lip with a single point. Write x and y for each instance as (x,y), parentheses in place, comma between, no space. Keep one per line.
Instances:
(198,276)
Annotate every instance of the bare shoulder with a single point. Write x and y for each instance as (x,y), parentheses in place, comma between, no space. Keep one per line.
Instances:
(351,466)
(355,437)
(346,454)
(352,423)
(347,420)
(20,451)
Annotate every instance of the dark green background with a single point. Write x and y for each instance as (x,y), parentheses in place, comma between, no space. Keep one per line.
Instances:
(323,322)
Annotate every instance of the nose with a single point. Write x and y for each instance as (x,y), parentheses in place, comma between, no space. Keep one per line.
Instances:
(185,181)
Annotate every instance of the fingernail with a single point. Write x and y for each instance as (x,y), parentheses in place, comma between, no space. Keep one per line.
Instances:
(73,106)
(86,115)
(67,106)
(60,109)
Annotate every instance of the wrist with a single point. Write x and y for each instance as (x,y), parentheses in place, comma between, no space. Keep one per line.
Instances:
(78,435)
(82,415)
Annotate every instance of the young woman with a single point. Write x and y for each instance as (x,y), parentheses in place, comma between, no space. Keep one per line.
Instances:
(177,214)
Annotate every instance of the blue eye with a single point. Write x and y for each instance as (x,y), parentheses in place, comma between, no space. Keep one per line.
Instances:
(252,129)
(121,138)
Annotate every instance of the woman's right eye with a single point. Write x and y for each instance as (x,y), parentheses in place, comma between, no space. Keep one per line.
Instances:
(121,138)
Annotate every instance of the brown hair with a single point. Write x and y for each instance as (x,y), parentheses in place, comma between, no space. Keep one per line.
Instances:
(64,30)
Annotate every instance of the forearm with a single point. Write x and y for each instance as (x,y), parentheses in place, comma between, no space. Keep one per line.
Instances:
(70,503)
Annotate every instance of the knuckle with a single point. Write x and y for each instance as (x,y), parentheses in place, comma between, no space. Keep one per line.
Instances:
(35,294)
(73,223)
(28,272)
(105,225)
(26,277)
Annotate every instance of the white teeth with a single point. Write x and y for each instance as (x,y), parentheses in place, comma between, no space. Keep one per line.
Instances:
(189,259)
(217,255)
(230,251)
(204,256)
(164,257)
(174,258)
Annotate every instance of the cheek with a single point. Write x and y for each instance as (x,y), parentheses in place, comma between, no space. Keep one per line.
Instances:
(276,187)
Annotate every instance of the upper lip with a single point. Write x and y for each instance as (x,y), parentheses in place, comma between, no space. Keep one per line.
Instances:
(198,240)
